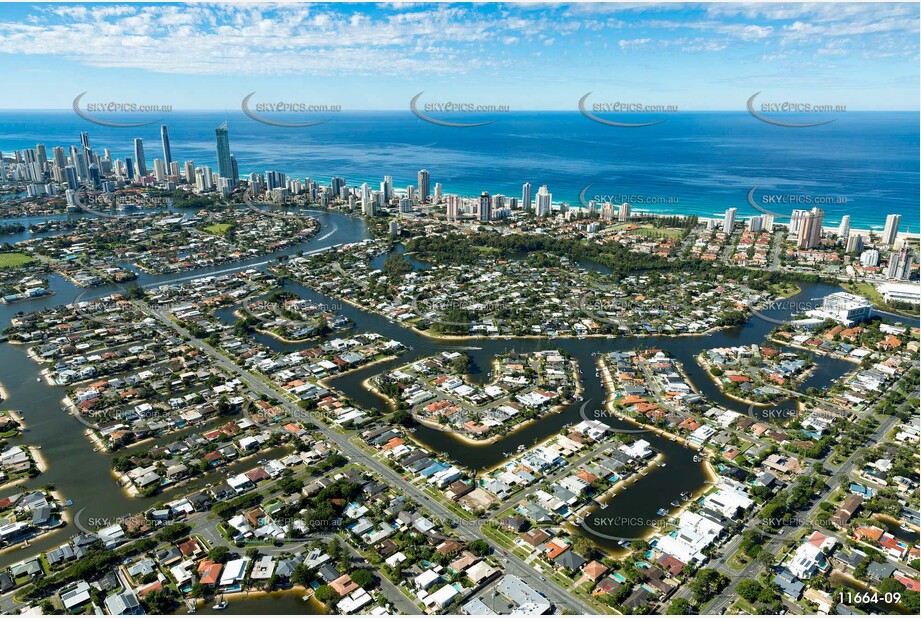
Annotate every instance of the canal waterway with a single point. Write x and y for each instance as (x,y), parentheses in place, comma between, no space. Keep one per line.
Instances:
(84,476)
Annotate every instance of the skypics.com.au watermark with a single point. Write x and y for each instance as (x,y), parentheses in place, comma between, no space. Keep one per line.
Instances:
(788,309)
(422,111)
(787,107)
(107,205)
(95,108)
(257,111)
(620,107)
(634,199)
(802,200)
(272,210)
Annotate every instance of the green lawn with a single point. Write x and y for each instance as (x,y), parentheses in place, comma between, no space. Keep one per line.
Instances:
(219,229)
(14,260)
(667,232)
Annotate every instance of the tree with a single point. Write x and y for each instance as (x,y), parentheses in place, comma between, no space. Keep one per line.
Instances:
(302,575)
(326,594)
(749,590)
(159,602)
(478,547)
(396,266)
(219,553)
(362,578)
(679,606)
(707,584)
(173,532)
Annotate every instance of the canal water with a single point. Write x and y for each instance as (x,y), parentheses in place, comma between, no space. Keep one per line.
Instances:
(84,476)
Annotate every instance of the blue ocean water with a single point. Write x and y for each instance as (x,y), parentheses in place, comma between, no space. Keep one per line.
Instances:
(694,163)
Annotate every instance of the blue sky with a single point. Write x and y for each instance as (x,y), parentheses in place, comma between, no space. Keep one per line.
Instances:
(527,56)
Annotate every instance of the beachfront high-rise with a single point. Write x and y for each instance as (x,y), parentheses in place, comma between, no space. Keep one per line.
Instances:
(424,185)
(845,227)
(140,164)
(810,230)
(526,197)
(729,220)
(544,202)
(484,211)
(892,229)
(224,162)
(164,139)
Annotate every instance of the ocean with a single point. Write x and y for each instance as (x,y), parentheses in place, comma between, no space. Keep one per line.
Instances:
(865,164)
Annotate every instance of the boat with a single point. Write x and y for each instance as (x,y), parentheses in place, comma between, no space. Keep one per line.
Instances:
(604,506)
(675,503)
(662,465)
(38,379)
(685,495)
(221,604)
(520,448)
(624,543)
(662,512)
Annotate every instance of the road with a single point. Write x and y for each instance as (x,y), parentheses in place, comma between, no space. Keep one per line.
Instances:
(515,566)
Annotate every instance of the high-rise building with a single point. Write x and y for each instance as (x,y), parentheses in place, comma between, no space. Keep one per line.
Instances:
(86,149)
(234,170)
(544,202)
(70,176)
(274,180)
(729,220)
(810,230)
(754,224)
(526,197)
(623,212)
(869,258)
(854,244)
(424,185)
(892,229)
(164,138)
(129,168)
(58,157)
(224,163)
(336,183)
(900,264)
(844,228)
(73,199)
(139,162)
(453,207)
(438,193)
(41,156)
(190,172)
(796,220)
(484,211)
(159,170)
(387,188)
(175,171)
(369,206)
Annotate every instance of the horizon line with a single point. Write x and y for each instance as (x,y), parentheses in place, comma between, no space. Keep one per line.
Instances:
(407,109)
